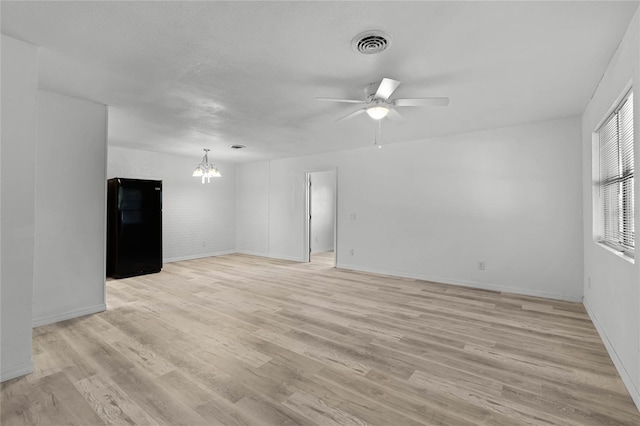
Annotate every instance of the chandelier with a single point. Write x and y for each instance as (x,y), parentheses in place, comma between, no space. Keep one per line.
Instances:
(205,169)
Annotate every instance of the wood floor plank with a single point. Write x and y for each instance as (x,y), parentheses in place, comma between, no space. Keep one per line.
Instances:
(422,409)
(111,403)
(319,411)
(243,340)
(155,400)
(52,401)
(270,413)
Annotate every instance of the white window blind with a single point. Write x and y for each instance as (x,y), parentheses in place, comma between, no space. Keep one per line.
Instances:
(616,176)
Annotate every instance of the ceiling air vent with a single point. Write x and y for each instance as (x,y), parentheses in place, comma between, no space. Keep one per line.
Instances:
(371,42)
(237,146)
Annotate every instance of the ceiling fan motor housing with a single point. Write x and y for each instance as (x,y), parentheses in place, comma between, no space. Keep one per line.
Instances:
(370,91)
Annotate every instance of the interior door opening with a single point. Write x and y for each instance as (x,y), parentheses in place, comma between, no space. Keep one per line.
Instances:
(321,217)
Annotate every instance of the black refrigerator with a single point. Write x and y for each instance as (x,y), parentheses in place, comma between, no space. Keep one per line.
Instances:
(134,227)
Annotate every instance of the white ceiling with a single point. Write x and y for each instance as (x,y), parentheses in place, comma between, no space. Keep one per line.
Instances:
(182,76)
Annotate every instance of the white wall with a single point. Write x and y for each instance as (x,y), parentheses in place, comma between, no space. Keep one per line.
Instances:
(252,228)
(197,220)
(611,283)
(19,82)
(323,205)
(69,255)
(509,197)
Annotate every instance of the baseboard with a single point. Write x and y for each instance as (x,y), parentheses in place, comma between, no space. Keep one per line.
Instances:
(271,256)
(284,257)
(17,370)
(252,253)
(198,256)
(62,316)
(463,283)
(626,378)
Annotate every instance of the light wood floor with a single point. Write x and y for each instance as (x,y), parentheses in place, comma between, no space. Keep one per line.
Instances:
(242,340)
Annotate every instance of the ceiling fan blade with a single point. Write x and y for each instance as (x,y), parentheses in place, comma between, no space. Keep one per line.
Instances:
(394,115)
(351,115)
(350,101)
(386,88)
(418,102)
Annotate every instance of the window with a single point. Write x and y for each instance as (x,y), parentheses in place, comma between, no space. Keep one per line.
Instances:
(615,183)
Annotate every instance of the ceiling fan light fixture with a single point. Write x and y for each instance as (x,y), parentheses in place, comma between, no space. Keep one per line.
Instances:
(377,112)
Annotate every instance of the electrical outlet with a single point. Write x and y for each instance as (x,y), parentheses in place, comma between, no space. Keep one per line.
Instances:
(352,252)
(481,265)
(352,216)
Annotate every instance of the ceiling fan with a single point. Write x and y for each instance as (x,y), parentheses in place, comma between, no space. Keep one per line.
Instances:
(378,105)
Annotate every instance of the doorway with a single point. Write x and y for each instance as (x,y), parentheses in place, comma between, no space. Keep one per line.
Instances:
(321,217)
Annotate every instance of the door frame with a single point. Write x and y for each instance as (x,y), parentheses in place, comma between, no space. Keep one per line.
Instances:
(307,214)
